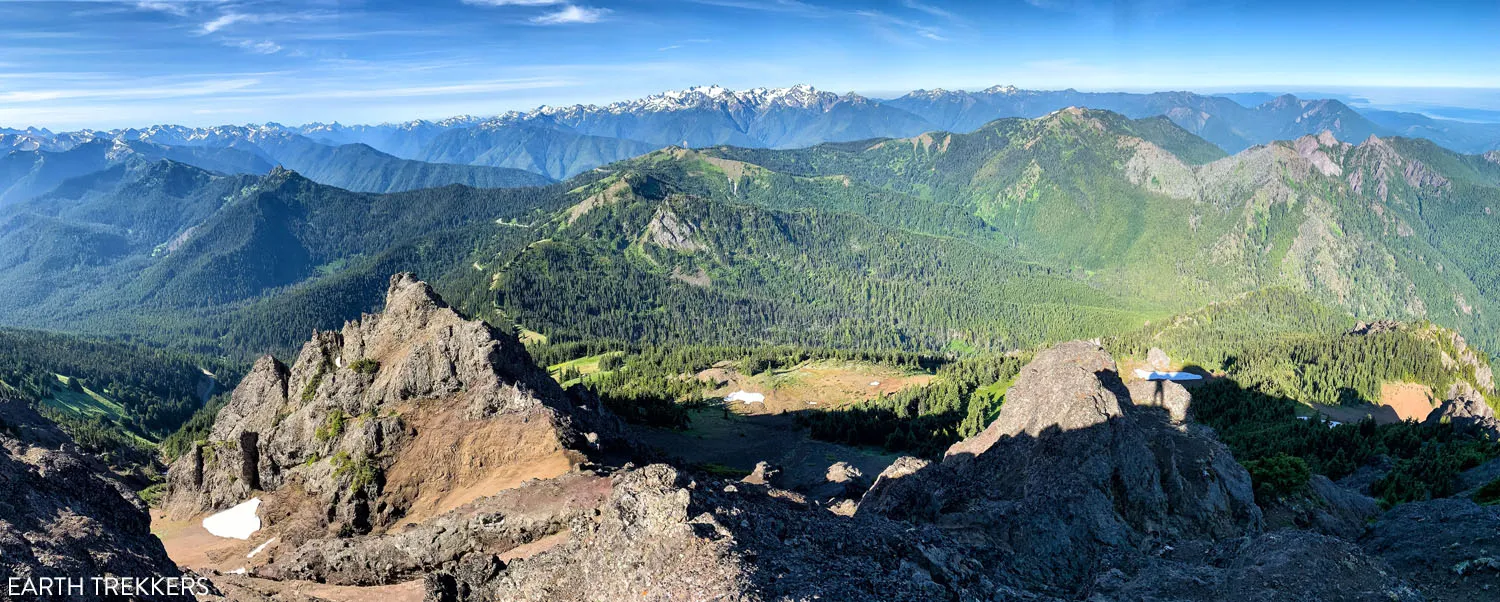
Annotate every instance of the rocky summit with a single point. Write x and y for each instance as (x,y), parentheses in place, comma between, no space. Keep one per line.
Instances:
(386,434)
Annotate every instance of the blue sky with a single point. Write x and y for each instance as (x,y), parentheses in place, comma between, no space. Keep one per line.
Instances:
(106,63)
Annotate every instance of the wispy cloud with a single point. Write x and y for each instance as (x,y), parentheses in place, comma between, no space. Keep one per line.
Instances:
(900,30)
(176,8)
(572,13)
(681,43)
(203,88)
(777,6)
(231,18)
(224,20)
(929,9)
(258,47)
(512,2)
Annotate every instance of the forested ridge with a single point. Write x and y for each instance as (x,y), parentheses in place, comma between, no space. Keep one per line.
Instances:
(117,400)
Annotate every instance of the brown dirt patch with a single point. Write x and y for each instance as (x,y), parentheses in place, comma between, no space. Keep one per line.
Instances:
(1410,401)
(609,195)
(452,461)
(1398,402)
(536,547)
(820,384)
(189,544)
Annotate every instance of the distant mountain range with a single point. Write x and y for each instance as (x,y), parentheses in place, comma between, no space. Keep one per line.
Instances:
(560,142)
(1077,222)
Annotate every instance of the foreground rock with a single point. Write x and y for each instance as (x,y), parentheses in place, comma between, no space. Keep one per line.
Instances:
(1073,493)
(1449,548)
(1072,479)
(64,515)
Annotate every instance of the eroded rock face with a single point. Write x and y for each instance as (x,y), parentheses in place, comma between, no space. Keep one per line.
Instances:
(399,416)
(1072,478)
(642,546)
(493,525)
(63,514)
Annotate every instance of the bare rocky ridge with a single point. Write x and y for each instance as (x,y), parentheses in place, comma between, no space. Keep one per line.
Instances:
(400,421)
(64,514)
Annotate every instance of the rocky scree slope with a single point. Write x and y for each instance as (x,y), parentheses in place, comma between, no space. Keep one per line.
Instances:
(400,417)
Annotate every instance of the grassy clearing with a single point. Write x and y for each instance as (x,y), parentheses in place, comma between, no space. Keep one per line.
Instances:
(83,404)
(571,371)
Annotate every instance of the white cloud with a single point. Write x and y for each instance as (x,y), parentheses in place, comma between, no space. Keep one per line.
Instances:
(202,88)
(175,8)
(896,29)
(512,2)
(777,6)
(224,20)
(681,43)
(261,47)
(572,14)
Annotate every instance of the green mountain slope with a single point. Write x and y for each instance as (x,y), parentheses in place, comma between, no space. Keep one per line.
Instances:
(1085,191)
(681,267)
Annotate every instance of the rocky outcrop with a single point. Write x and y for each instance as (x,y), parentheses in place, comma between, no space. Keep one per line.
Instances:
(1283,566)
(664,536)
(64,515)
(1448,548)
(498,524)
(1467,411)
(399,418)
(1328,508)
(1072,479)
(1158,360)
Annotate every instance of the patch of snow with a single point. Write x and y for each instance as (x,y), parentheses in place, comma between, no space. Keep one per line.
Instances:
(1173,376)
(260,548)
(745,397)
(238,571)
(239,522)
